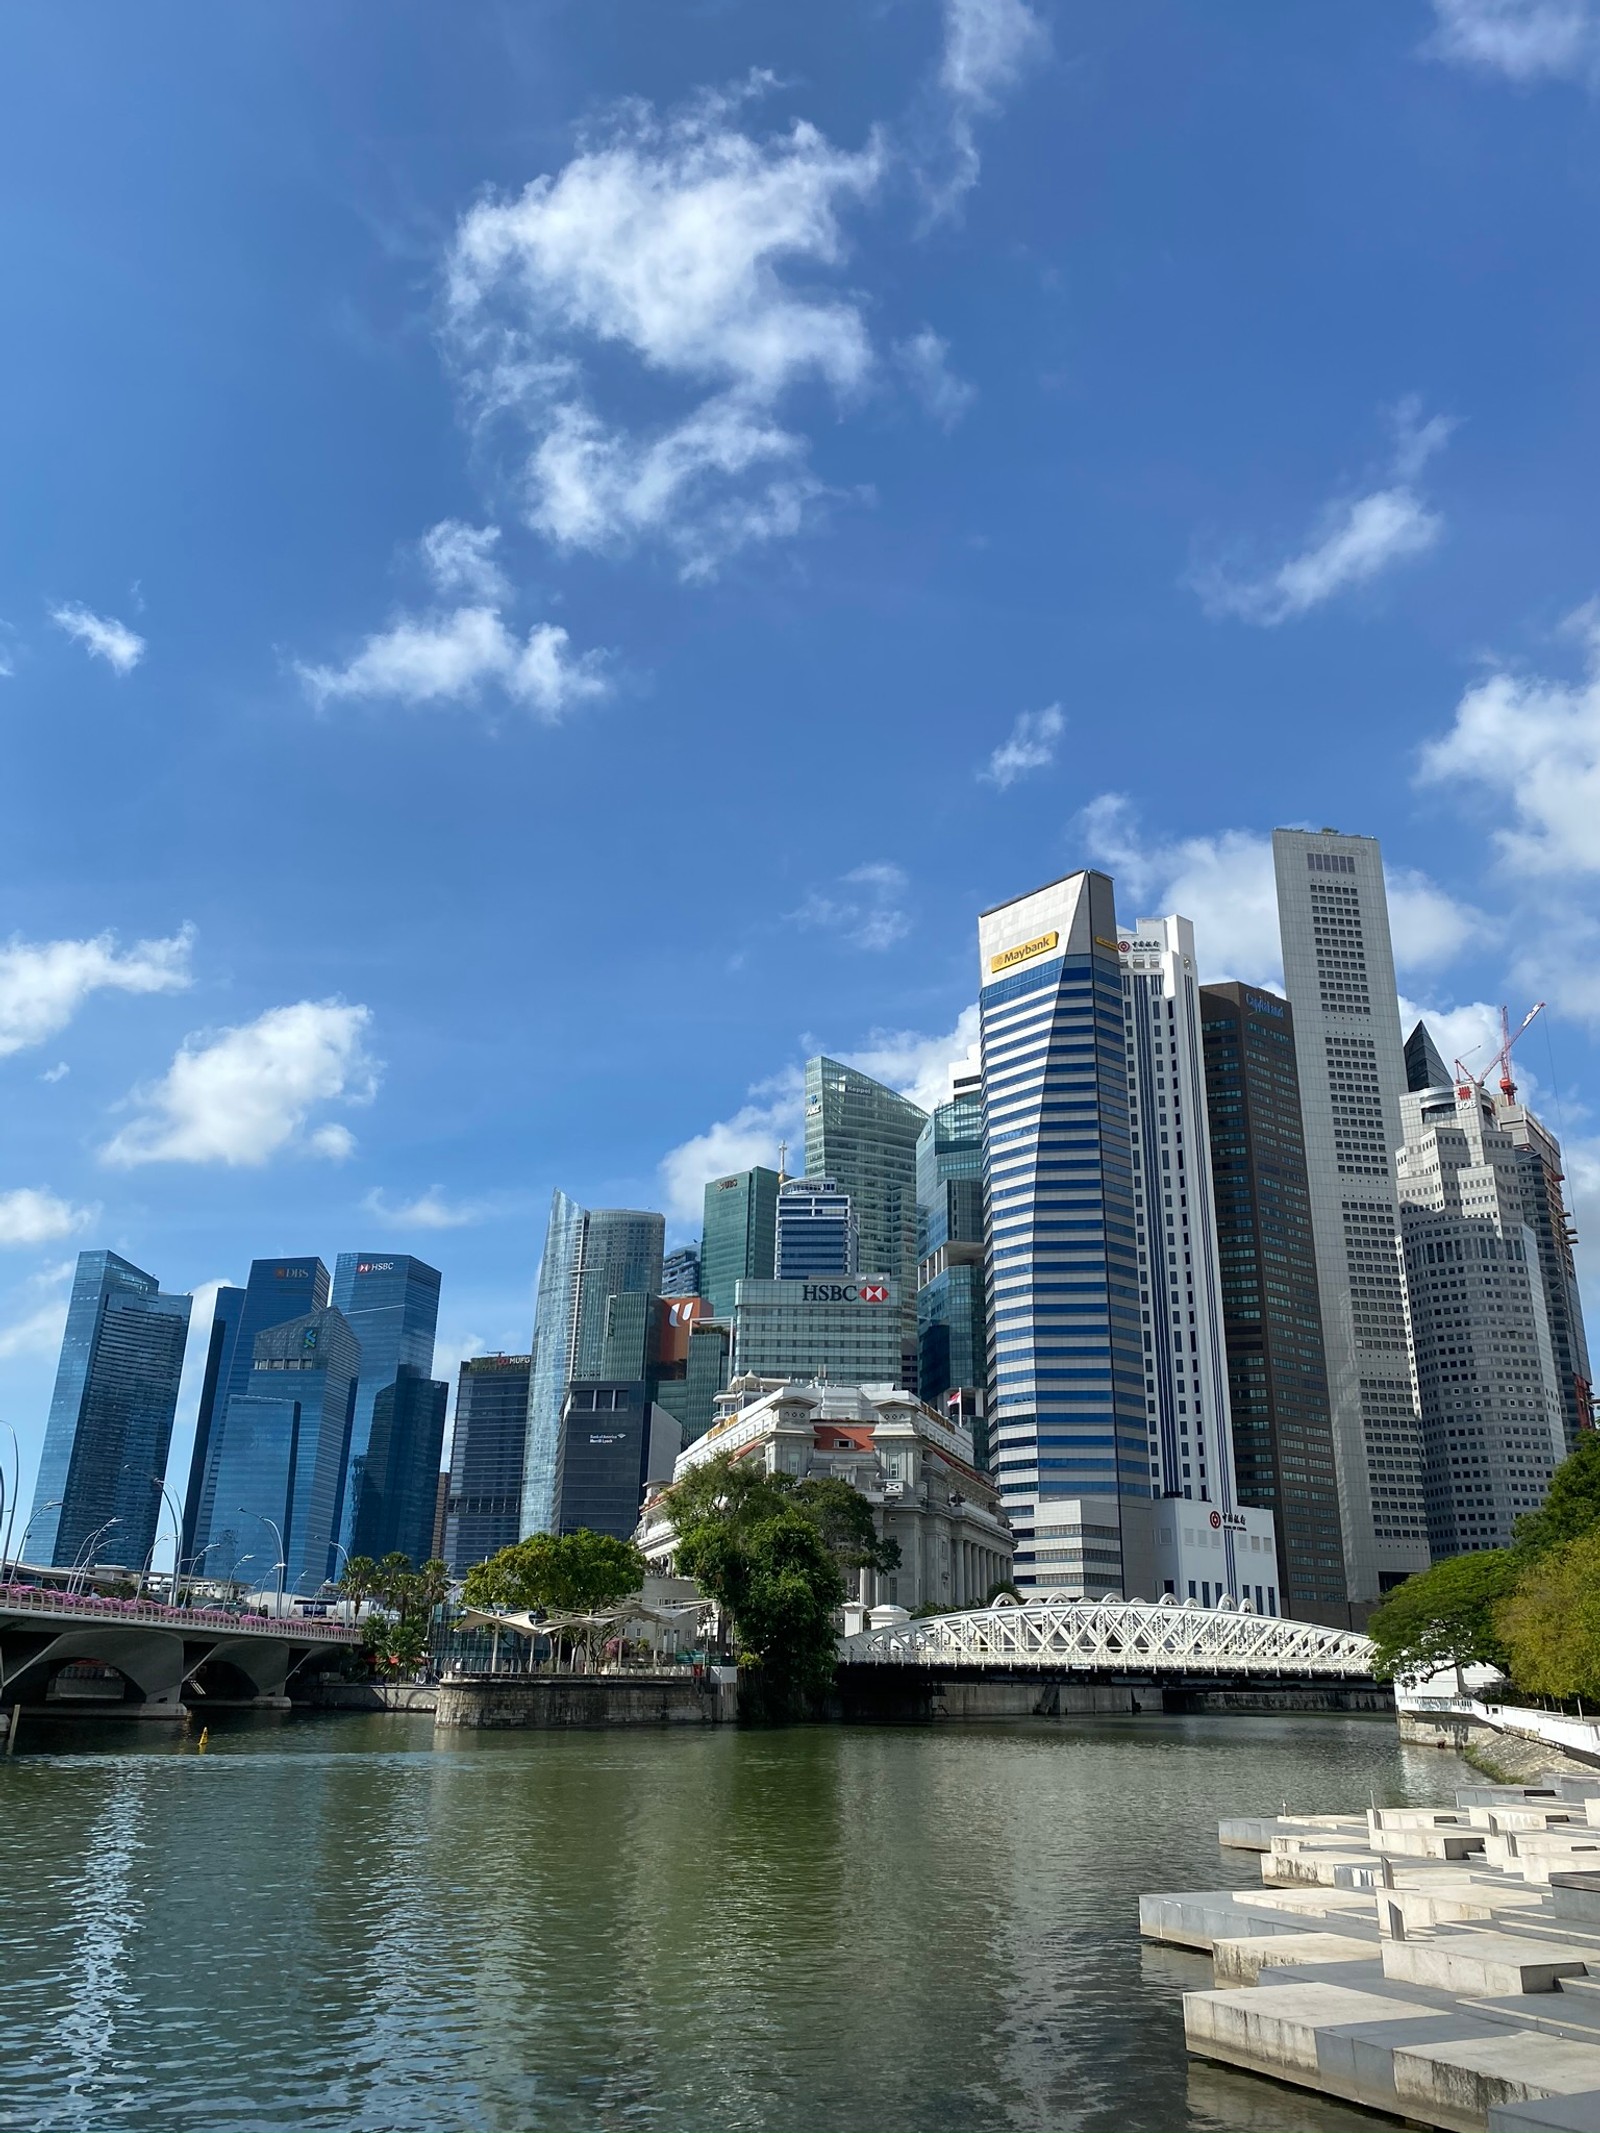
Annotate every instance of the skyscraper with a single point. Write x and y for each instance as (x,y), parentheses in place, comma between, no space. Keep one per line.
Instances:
(278,1463)
(391,1304)
(397,1481)
(741,1235)
(846,1331)
(485,1499)
(1068,1441)
(864,1137)
(1493,1419)
(1339,974)
(950,1302)
(680,1272)
(105,1447)
(615,1442)
(590,1256)
(277,1290)
(816,1231)
(1544,1210)
(1271,1311)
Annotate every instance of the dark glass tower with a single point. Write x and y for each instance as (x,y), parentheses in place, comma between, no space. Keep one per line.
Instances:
(1067,1438)
(398,1492)
(485,1499)
(950,1301)
(816,1231)
(864,1137)
(278,1290)
(279,1459)
(105,1448)
(391,1304)
(1271,1314)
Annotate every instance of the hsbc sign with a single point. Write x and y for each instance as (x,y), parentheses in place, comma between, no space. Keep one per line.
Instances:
(845,1292)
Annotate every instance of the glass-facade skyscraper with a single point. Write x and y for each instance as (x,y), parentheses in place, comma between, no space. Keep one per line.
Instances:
(397,1481)
(279,1459)
(741,1235)
(484,1505)
(1065,1350)
(864,1137)
(276,1291)
(391,1304)
(950,1299)
(680,1272)
(105,1447)
(590,1255)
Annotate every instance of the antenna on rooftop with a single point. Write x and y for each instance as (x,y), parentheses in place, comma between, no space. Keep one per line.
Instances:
(783,1159)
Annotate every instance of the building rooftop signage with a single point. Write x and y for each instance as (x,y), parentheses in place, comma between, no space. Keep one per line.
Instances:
(1024,952)
(844,1292)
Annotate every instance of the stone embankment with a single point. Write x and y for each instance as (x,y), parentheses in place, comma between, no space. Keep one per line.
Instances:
(1442,1965)
(566,1700)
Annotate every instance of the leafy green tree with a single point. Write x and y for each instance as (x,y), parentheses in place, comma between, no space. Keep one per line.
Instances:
(397,1644)
(1551,1621)
(359,1580)
(844,1518)
(1572,1506)
(1445,1616)
(389,1579)
(751,1543)
(569,1573)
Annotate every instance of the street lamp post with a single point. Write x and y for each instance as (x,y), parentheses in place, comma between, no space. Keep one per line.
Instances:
(15,1493)
(54,1504)
(272,1526)
(193,1562)
(177,1532)
(84,1560)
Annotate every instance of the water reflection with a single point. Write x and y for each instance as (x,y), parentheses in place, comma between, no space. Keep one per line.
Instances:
(334,1924)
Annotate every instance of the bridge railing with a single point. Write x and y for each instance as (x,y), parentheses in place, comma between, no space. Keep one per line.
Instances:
(1114,1636)
(100,1607)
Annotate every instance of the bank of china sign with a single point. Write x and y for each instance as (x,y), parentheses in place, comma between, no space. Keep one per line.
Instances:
(1024,952)
(845,1292)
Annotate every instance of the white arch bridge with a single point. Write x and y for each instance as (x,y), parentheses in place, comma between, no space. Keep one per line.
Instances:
(1116,1639)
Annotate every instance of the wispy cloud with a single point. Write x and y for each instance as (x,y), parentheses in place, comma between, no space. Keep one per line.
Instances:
(864,907)
(32,1216)
(1355,540)
(461,559)
(102,636)
(673,241)
(453,658)
(988,47)
(925,359)
(44,983)
(429,1210)
(238,1096)
(1525,40)
(1031,745)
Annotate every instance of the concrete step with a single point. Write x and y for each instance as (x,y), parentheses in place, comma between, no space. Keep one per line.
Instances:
(1482,1965)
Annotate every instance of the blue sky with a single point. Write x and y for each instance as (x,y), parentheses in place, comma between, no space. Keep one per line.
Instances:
(556,555)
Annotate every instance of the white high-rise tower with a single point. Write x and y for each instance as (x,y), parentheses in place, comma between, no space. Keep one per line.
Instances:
(1338,969)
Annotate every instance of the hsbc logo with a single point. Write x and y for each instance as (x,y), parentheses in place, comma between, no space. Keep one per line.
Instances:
(845,1292)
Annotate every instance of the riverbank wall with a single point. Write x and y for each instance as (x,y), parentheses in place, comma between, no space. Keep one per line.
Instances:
(560,1701)
(410,1696)
(931,1695)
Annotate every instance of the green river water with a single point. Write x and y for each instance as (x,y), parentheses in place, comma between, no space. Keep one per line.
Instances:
(328,1922)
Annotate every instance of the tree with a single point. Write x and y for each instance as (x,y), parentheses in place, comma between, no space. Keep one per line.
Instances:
(389,1579)
(1571,1508)
(755,1546)
(359,1581)
(568,1573)
(1445,1616)
(1551,1621)
(844,1518)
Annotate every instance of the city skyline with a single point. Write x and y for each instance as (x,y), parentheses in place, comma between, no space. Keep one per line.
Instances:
(1060,431)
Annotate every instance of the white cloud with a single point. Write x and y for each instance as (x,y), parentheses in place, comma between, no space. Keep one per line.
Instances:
(1532,747)
(31,1216)
(460,559)
(1031,746)
(102,636)
(429,1210)
(672,241)
(1522,39)
(868,914)
(39,1333)
(925,360)
(988,46)
(1355,540)
(44,983)
(451,658)
(58,1072)
(1429,927)
(920,1067)
(1470,1033)
(241,1095)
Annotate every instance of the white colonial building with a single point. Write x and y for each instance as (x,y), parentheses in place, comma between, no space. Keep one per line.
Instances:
(913,1467)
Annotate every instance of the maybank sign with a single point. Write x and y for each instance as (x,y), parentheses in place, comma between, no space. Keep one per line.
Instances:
(1024,952)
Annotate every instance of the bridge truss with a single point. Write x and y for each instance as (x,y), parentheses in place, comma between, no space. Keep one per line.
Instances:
(1114,1637)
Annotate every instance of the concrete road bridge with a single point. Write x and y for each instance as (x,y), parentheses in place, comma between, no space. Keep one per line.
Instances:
(1051,1657)
(66,1653)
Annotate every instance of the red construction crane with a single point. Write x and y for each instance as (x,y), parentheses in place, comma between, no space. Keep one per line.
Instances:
(1467,1081)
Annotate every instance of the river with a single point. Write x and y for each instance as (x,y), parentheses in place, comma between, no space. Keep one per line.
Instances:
(328,1922)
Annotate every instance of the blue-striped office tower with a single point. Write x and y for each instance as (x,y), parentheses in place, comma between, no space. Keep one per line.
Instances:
(1068,1441)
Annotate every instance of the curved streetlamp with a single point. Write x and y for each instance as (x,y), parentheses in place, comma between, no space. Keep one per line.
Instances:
(8,1503)
(54,1504)
(272,1526)
(84,1560)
